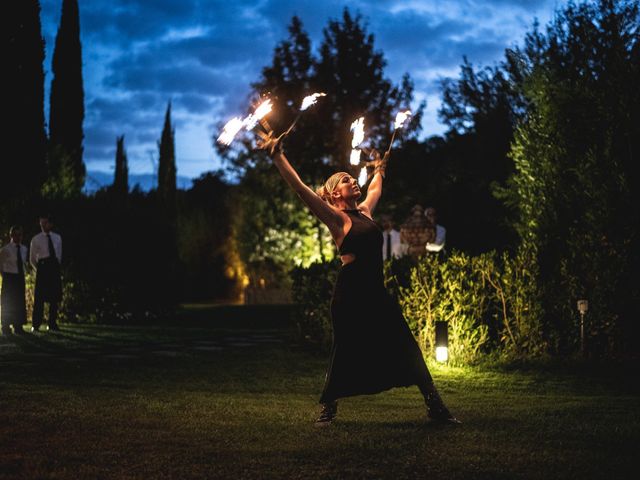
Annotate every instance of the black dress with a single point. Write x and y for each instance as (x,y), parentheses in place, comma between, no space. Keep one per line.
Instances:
(373,348)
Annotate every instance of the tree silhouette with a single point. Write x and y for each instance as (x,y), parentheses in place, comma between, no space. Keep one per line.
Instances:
(23,165)
(66,113)
(167,162)
(121,175)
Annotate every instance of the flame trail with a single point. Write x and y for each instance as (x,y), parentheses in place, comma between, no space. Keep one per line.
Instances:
(230,130)
(311,100)
(357,127)
(363,177)
(401,117)
(259,113)
(354,159)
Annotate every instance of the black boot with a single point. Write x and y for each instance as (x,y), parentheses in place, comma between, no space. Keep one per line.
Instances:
(327,414)
(436,409)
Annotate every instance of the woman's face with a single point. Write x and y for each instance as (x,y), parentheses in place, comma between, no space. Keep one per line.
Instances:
(347,188)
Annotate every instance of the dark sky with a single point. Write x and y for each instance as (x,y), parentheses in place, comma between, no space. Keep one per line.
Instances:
(203,54)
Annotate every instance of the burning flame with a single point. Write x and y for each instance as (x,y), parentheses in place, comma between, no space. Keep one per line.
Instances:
(357,127)
(262,109)
(401,117)
(230,130)
(355,157)
(363,177)
(311,100)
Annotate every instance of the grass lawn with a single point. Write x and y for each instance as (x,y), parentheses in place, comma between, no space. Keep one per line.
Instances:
(238,401)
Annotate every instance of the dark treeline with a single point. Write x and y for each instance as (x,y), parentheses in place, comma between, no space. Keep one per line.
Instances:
(121,259)
(539,159)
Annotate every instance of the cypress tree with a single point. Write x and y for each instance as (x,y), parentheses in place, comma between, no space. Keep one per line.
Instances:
(121,178)
(66,112)
(167,162)
(23,165)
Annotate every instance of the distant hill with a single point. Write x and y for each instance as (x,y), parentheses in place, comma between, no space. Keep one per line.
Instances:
(147,181)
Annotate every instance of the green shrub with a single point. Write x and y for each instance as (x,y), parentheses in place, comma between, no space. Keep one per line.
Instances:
(449,290)
(311,291)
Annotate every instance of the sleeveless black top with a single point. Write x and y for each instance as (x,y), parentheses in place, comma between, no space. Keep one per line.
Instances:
(364,241)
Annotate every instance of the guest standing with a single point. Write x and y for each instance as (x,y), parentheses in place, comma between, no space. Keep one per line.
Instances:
(437,246)
(46,256)
(392,246)
(13,258)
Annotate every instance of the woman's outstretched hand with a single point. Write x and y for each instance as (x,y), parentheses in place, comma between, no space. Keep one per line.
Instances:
(269,143)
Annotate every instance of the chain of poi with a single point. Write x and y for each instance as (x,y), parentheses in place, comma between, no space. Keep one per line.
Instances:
(374,157)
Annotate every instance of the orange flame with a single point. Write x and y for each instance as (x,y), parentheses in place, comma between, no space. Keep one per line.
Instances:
(354,159)
(311,100)
(357,127)
(363,177)
(259,113)
(230,130)
(401,117)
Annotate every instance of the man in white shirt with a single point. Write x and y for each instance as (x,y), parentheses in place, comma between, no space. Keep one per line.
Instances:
(392,247)
(45,256)
(437,246)
(13,259)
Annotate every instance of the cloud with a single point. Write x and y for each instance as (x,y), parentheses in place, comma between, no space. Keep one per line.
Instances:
(204,54)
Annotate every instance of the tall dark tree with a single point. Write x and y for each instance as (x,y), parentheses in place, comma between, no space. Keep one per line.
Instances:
(121,176)
(66,113)
(23,163)
(351,71)
(167,162)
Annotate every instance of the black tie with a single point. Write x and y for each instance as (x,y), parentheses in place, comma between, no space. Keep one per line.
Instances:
(52,252)
(20,266)
(388,245)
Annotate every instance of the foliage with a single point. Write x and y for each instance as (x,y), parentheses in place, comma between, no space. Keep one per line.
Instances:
(206,242)
(490,303)
(61,182)
(119,260)
(312,289)
(451,291)
(274,231)
(576,187)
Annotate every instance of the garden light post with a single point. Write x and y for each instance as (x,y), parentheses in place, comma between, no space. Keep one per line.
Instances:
(583,307)
(442,341)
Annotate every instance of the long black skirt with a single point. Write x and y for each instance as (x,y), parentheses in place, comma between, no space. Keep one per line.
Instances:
(373,347)
(48,281)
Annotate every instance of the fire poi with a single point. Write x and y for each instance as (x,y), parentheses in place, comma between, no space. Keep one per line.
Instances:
(234,126)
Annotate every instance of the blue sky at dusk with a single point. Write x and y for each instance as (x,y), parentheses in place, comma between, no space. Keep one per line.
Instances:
(203,55)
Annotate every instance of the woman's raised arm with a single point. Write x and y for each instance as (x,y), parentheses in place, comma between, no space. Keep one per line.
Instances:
(321,209)
(375,187)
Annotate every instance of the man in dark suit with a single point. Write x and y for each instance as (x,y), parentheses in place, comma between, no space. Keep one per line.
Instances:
(46,256)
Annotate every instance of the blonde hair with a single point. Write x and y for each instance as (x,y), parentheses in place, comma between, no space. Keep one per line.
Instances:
(325,191)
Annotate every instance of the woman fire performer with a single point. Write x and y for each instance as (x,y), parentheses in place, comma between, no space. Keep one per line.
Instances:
(373,347)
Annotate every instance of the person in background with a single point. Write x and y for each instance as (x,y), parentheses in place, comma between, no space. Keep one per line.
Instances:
(46,256)
(437,246)
(13,258)
(392,246)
